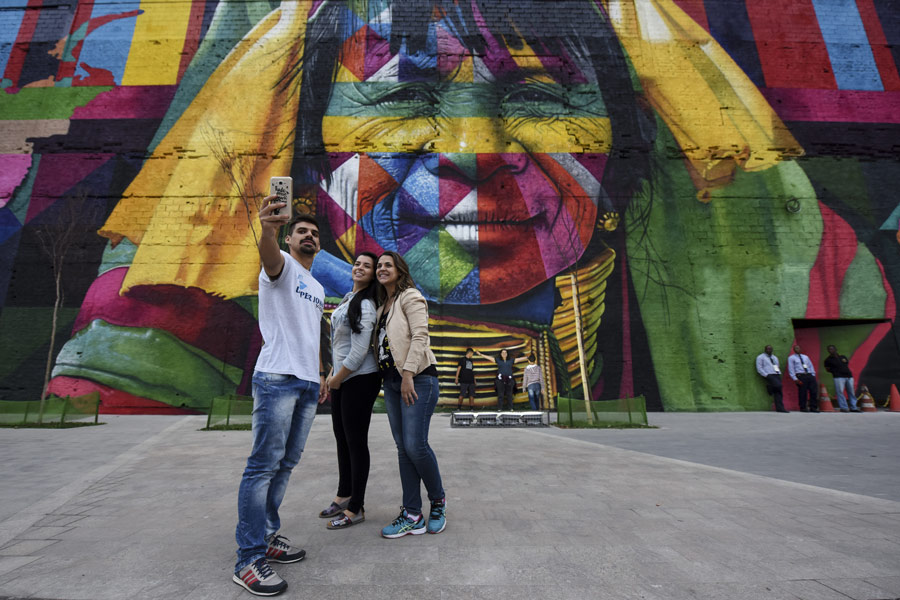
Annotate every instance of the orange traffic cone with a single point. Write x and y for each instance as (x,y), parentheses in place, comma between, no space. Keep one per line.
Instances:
(824,400)
(866,402)
(895,399)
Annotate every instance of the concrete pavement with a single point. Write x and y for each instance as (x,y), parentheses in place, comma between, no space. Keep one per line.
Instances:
(707,506)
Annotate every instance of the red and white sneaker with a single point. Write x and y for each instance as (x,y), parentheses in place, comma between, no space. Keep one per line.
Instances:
(259,579)
(281,551)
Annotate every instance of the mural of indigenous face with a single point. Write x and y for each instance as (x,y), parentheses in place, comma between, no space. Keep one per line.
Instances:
(474,149)
(660,171)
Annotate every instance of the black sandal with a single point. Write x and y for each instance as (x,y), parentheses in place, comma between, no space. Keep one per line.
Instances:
(334,510)
(344,521)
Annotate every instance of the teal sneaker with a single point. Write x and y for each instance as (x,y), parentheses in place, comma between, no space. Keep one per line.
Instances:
(437,520)
(404,524)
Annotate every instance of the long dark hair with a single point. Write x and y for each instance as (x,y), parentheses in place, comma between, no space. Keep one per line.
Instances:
(370,292)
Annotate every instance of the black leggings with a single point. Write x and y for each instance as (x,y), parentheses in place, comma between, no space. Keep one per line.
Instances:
(505,392)
(351,413)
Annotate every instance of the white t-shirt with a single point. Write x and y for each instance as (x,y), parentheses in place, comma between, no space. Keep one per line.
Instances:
(290,317)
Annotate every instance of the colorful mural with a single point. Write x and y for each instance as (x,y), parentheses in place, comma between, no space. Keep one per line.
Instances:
(697,178)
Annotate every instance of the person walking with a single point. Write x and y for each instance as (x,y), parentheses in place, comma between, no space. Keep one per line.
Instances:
(353,384)
(505,382)
(287,385)
(410,395)
(839,367)
(533,382)
(768,368)
(465,379)
(802,372)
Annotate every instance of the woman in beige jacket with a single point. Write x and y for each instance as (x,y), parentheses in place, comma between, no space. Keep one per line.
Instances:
(410,395)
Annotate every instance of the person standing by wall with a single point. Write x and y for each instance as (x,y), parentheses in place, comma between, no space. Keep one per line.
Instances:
(287,384)
(465,379)
(533,382)
(801,370)
(839,367)
(353,384)
(505,382)
(403,348)
(768,368)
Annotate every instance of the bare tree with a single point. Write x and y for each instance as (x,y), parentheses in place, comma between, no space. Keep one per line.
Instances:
(239,167)
(56,237)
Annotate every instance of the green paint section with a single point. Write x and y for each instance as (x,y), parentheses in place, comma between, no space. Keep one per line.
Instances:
(119,256)
(467,163)
(843,180)
(846,338)
(862,294)
(456,263)
(717,282)
(423,259)
(251,304)
(24,330)
(150,363)
(47,103)
(21,199)
(389,99)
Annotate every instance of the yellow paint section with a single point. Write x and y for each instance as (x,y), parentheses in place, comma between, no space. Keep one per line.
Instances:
(347,243)
(527,59)
(477,135)
(345,76)
(157,44)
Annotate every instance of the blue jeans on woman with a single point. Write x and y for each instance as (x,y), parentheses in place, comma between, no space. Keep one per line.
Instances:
(283,411)
(534,396)
(409,426)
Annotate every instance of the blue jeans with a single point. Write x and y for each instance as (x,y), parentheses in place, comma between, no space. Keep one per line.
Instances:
(841,384)
(534,396)
(409,426)
(283,411)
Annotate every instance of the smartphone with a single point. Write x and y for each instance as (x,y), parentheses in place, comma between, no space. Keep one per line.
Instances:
(283,187)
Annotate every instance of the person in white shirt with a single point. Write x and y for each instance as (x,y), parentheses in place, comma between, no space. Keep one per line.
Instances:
(533,382)
(801,370)
(768,368)
(288,383)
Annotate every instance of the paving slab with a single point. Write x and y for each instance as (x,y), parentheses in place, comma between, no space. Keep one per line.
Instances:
(533,513)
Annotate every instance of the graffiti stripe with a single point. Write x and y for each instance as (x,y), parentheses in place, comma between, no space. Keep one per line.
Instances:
(836,106)
(10,24)
(889,17)
(887,67)
(729,24)
(696,10)
(19,51)
(157,44)
(474,134)
(192,36)
(790,45)
(848,47)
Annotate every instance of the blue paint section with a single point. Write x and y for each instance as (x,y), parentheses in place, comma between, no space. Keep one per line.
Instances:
(11,14)
(468,291)
(729,24)
(848,45)
(893,222)
(107,47)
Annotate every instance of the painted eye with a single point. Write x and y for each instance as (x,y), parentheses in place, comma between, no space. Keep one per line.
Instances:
(417,98)
(535,100)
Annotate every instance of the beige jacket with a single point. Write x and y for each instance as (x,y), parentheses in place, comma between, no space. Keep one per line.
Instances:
(407,331)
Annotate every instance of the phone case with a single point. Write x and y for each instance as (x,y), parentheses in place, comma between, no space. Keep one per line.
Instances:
(283,187)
